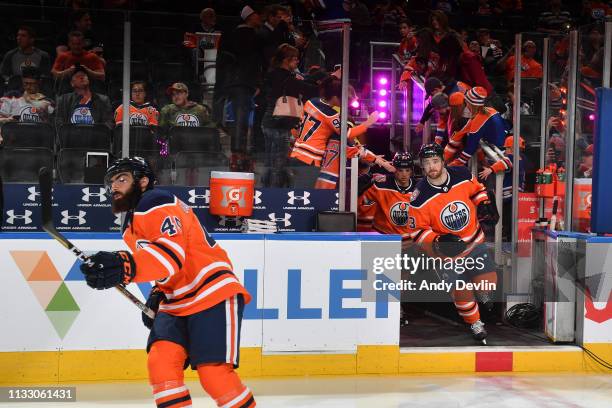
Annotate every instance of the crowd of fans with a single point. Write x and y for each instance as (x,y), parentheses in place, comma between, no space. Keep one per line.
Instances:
(69,75)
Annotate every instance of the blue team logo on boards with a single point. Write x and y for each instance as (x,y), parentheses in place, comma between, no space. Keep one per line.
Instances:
(399,213)
(455,216)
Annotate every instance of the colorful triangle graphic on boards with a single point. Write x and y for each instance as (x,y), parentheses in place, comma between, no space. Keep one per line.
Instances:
(62,320)
(26,261)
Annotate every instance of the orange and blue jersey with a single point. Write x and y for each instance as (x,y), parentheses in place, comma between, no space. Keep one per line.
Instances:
(450,208)
(488,126)
(330,165)
(390,205)
(171,247)
(320,123)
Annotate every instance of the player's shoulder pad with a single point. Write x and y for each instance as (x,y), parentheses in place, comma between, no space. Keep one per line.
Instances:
(459,174)
(422,192)
(322,107)
(155,198)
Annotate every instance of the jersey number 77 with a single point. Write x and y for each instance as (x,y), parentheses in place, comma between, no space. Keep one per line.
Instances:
(312,123)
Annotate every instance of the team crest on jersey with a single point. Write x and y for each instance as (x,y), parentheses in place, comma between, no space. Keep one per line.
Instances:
(138,119)
(399,213)
(414,195)
(82,116)
(455,216)
(30,114)
(187,119)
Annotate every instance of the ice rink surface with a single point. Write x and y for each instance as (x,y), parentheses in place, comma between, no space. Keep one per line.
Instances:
(436,391)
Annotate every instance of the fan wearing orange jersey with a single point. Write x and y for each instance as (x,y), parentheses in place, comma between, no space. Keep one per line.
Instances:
(142,113)
(445,213)
(198,299)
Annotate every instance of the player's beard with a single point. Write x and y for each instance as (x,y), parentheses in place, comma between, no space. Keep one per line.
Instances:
(127,201)
(434,174)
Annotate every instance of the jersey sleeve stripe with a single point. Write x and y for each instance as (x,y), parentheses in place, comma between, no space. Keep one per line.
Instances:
(173,245)
(170,253)
(202,295)
(160,258)
(425,235)
(215,265)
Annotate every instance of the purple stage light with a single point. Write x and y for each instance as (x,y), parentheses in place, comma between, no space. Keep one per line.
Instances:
(382,104)
(382,92)
(383,115)
(355,103)
(592,116)
(383,80)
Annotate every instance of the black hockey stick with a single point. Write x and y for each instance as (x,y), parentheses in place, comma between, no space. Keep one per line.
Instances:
(45,181)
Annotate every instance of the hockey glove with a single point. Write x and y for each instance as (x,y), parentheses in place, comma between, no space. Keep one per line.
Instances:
(110,269)
(155,298)
(449,245)
(487,210)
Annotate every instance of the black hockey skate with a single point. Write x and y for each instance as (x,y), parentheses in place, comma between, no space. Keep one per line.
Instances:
(479,332)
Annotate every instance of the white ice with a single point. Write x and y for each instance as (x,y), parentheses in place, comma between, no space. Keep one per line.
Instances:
(437,391)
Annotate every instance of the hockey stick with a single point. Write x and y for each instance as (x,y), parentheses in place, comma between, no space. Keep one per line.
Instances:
(45,181)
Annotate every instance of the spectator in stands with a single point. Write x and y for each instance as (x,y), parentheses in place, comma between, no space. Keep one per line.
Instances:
(445,6)
(239,79)
(208,21)
(594,10)
(530,68)
(182,111)
(555,152)
(389,13)
(554,19)
(585,168)
(358,13)
(279,81)
(490,50)
(273,32)
(142,113)
(471,69)
(484,8)
(448,46)
(32,106)
(408,43)
(25,55)
(82,106)
(67,63)
(81,22)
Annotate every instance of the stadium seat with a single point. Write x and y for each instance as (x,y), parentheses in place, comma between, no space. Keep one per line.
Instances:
(193,168)
(162,166)
(141,138)
(28,135)
(22,165)
(170,72)
(94,137)
(71,165)
(195,139)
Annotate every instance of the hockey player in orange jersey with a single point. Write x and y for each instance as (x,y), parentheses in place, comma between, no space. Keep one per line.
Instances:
(198,300)
(446,210)
(391,199)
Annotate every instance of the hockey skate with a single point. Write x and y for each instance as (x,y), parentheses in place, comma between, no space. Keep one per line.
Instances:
(479,332)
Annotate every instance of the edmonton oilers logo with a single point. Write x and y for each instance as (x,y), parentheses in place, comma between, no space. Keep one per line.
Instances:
(399,213)
(455,216)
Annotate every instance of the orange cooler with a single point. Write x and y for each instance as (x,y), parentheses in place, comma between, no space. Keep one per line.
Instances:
(231,193)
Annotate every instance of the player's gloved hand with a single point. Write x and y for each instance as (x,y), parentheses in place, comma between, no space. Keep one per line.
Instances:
(487,210)
(110,269)
(155,298)
(449,245)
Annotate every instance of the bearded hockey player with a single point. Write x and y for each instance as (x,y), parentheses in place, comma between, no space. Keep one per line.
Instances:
(446,210)
(198,300)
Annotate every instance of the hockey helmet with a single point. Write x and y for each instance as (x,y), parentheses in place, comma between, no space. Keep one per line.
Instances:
(431,150)
(137,166)
(402,160)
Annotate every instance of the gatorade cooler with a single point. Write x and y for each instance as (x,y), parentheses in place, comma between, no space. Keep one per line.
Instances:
(231,193)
